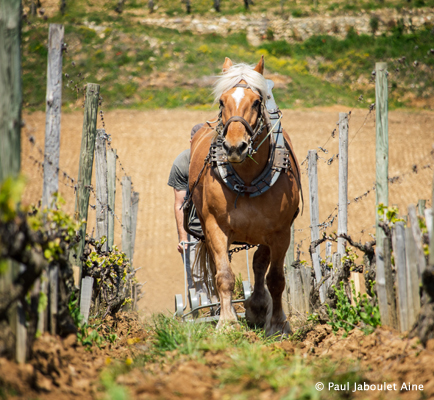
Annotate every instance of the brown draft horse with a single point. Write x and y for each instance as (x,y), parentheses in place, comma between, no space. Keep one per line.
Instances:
(229,216)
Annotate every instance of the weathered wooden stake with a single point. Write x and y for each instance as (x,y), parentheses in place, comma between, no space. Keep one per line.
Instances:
(134,215)
(10,88)
(314,217)
(401,275)
(413,297)
(306,273)
(10,136)
(126,216)
(101,187)
(328,260)
(21,338)
(52,114)
(421,204)
(343,181)
(417,234)
(43,315)
(86,297)
(111,188)
(289,259)
(54,291)
(382,189)
(429,221)
(85,166)
(391,299)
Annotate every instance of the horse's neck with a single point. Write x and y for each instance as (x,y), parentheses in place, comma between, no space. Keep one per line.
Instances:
(249,169)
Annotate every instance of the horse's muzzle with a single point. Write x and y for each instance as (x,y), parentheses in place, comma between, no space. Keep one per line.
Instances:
(236,154)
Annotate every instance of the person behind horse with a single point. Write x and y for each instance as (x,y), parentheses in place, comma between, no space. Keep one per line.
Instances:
(178,180)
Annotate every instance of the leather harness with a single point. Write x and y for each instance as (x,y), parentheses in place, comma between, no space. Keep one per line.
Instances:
(278,161)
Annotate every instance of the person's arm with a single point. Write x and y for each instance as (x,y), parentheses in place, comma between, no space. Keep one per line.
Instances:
(179,217)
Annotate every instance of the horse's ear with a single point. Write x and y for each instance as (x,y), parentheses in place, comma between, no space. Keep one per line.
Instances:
(260,67)
(227,64)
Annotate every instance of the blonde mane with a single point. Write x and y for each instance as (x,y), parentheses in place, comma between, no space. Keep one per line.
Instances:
(240,72)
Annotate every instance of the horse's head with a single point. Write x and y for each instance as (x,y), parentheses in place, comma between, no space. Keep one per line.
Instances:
(242,92)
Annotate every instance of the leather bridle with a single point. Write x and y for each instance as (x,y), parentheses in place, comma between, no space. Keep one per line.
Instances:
(253,133)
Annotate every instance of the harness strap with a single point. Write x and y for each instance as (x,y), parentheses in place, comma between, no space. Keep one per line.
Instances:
(237,118)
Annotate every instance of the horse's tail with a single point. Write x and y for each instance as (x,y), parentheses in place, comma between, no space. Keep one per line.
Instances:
(204,266)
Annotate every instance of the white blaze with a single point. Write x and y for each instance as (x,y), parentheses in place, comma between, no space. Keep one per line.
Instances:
(238,95)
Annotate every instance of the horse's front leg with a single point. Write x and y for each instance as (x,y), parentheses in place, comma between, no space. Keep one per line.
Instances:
(276,285)
(217,243)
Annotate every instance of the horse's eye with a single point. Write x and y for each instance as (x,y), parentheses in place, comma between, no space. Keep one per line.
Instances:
(221,104)
(256,104)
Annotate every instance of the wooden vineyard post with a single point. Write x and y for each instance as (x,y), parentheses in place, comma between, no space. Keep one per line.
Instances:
(10,89)
(85,166)
(343,181)
(429,223)
(289,259)
(53,103)
(52,114)
(111,189)
(10,144)
(314,217)
(297,298)
(101,187)
(126,216)
(53,298)
(134,215)
(413,298)
(421,204)
(391,298)
(382,189)
(401,278)
(337,263)
(306,279)
(86,297)
(417,235)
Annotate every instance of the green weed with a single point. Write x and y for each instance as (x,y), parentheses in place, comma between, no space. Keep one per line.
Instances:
(347,316)
(171,334)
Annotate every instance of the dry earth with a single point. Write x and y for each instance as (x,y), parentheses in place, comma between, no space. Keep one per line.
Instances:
(64,369)
(148,141)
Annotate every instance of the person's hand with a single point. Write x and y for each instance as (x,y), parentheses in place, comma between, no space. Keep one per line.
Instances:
(181,247)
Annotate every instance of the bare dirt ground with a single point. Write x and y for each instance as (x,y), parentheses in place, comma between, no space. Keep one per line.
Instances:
(147,142)
(64,369)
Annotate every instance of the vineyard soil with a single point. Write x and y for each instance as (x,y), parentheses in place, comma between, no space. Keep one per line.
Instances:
(64,369)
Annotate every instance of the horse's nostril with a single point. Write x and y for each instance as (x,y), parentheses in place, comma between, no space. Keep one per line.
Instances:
(242,147)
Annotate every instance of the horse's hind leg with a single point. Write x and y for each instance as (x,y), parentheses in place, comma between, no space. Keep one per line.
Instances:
(259,305)
(276,285)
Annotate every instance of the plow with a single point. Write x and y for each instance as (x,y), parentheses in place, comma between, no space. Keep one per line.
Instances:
(197,307)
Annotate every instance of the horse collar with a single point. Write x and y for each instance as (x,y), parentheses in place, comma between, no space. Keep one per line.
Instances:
(278,162)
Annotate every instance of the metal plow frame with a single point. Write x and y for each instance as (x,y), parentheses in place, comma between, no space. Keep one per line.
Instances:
(199,301)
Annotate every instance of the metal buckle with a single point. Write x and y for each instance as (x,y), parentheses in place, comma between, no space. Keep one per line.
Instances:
(239,188)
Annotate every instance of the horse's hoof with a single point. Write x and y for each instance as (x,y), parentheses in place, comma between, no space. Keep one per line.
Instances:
(226,326)
(258,310)
(281,329)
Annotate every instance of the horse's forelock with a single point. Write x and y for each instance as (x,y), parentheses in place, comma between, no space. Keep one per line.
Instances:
(237,73)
